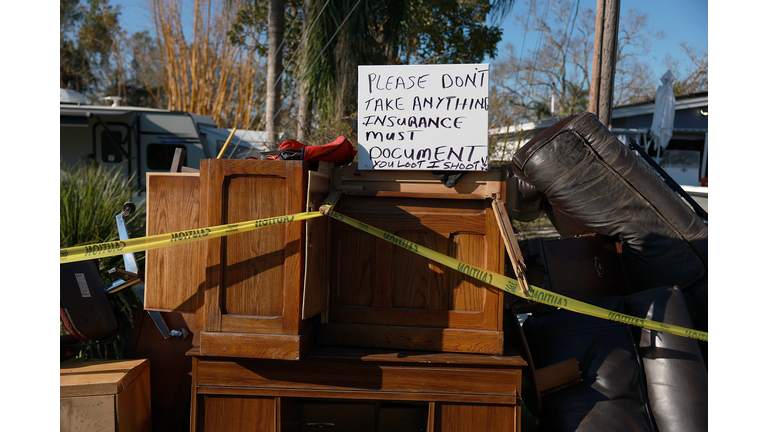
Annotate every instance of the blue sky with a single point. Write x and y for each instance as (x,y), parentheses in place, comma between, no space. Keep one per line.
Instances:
(681,20)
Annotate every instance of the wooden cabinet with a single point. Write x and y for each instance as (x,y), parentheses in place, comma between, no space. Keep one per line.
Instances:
(260,293)
(385,296)
(249,289)
(358,389)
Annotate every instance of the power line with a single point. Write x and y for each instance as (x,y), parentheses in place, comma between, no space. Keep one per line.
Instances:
(306,72)
(269,92)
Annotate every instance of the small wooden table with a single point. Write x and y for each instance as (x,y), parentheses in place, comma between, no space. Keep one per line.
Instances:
(358,389)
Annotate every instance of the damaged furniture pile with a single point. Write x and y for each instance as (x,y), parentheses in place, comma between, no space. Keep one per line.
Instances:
(300,325)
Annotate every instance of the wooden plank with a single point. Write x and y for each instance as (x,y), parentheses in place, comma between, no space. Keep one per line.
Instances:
(431,417)
(510,243)
(317,247)
(266,346)
(558,374)
(414,193)
(431,358)
(474,185)
(362,395)
(347,377)
(179,158)
(495,262)
(468,293)
(99,377)
(211,194)
(173,275)
(295,196)
(251,324)
(355,272)
(416,338)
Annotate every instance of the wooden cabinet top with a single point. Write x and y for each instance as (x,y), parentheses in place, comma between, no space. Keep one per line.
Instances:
(99,377)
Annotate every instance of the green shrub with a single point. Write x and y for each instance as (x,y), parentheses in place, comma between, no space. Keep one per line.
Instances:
(90,198)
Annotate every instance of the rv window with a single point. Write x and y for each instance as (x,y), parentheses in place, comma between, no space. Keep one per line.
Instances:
(160,156)
(110,152)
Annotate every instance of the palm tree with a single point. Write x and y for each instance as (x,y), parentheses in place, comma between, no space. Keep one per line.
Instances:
(274,68)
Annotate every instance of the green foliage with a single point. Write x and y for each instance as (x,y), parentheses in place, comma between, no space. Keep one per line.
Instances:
(87,37)
(449,31)
(392,32)
(90,198)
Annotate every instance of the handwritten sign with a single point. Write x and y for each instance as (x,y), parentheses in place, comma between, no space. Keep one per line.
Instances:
(423,117)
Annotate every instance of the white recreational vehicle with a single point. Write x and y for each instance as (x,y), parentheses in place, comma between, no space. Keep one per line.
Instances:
(144,139)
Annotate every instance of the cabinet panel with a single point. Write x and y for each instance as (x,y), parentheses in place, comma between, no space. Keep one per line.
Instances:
(476,417)
(236,414)
(173,274)
(390,290)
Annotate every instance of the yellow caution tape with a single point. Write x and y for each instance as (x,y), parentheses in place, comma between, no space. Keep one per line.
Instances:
(510,285)
(102,250)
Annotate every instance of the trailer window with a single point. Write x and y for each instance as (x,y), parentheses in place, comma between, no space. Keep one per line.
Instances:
(160,156)
(110,152)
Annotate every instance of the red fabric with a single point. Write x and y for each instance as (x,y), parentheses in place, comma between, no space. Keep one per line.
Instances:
(340,151)
(291,144)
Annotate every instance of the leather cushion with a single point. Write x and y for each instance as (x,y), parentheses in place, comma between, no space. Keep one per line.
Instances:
(676,376)
(611,395)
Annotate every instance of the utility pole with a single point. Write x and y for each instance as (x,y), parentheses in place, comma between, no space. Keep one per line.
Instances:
(604,59)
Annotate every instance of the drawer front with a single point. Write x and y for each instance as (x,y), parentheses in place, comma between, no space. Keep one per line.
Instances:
(501,385)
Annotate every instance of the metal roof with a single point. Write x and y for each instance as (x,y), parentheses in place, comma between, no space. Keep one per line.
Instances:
(697,100)
(88,110)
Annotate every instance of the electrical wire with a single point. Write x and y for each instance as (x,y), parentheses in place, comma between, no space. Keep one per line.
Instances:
(282,75)
(269,92)
(306,72)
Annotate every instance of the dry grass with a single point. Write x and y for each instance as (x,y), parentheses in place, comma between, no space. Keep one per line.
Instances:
(207,75)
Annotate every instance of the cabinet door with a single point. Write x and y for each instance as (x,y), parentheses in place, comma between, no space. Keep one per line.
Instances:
(377,282)
(392,291)
(254,279)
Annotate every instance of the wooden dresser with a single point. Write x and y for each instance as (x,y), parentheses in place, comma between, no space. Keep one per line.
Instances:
(358,389)
(317,324)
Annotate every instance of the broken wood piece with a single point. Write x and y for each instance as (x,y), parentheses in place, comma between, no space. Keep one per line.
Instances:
(179,155)
(510,242)
(329,202)
(558,375)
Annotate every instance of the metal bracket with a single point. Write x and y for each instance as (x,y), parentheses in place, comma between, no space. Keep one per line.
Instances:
(136,280)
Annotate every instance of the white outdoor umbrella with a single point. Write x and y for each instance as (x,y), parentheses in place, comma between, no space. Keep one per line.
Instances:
(663,113)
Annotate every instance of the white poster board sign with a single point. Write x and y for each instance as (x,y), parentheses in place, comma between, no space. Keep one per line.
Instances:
(423,117)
